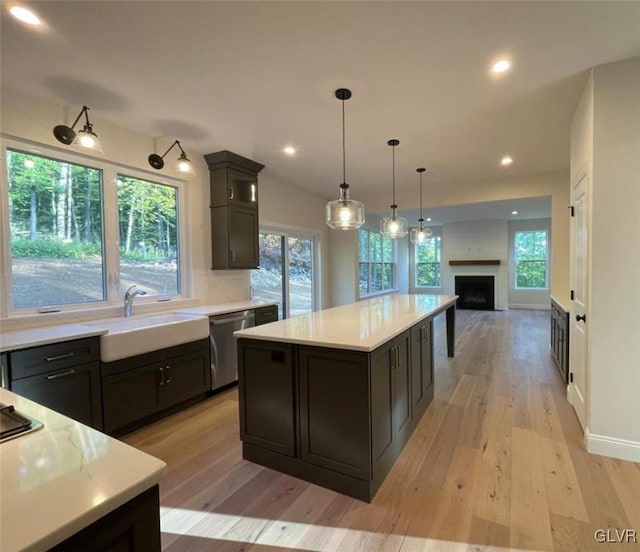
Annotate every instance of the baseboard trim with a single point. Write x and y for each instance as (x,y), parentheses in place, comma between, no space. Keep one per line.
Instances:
(612,446)
(529,307)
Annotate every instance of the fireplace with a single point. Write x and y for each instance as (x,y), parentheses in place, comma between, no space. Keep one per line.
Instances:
(475,292)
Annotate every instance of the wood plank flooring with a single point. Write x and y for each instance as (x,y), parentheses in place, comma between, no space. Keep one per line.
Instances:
(497,462)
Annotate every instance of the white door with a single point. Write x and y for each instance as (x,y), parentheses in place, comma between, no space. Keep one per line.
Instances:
(578,318)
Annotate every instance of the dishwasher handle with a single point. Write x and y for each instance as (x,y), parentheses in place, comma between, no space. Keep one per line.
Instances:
(233,319)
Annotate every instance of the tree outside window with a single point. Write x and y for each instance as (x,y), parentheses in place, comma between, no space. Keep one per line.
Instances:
(531,252)
(377,262)
(427,256)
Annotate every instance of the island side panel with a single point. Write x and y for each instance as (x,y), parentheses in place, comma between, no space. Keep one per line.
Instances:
(451,330)
(334,410)
(267,391)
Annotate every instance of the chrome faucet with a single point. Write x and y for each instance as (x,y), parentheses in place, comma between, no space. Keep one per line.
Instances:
(128,298)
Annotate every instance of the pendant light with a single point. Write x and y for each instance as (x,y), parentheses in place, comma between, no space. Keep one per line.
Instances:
(420,234)
(394,226)
(344,213)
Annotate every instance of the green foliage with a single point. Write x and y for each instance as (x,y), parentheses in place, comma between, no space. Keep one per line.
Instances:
(531,259)
(428,274)
(53,249)
(428,262)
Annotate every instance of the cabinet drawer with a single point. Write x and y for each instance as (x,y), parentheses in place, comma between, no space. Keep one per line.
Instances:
(48,358)
(264,315)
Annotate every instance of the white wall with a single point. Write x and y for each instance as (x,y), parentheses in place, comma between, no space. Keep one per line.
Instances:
(476,240)
(614,335)
(519,298)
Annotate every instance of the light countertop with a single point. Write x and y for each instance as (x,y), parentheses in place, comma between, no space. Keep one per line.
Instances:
(361,326)
(564,302)
(21,339)
(224,308)
(61,478)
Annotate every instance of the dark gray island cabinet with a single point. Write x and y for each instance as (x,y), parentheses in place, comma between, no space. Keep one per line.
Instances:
(333,397)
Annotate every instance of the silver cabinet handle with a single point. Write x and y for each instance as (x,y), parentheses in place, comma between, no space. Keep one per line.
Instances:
(161,370)
(61,375)
(168,369)
(59,357)
(230,193)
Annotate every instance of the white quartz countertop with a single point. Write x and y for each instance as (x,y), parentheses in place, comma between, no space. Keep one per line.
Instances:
(564,302)
(361,326)
(61,478)
(224,308)
(31,337)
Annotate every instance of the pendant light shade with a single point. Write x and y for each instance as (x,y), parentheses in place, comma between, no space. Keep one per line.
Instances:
(84,139)
(344,213)
(420,234)
(394,226)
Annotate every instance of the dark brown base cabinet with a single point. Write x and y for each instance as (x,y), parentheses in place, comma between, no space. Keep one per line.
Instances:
(560,339)
(139,388)
(334,417)
(62,376)
(133,527)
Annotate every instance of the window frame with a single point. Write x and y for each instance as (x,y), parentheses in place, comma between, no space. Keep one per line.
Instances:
(370,265)
(514,281)
(436,232)
(110,231)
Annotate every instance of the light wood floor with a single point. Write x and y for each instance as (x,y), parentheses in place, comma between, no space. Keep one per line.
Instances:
(496,462)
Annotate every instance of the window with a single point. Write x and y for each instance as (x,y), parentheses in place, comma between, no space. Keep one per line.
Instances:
(55,228)
(427,262)
(65,219)
(286,273)
(148,221)
(531,252)
(377,262)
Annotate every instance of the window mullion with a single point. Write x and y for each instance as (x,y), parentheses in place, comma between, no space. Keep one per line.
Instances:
(111,234)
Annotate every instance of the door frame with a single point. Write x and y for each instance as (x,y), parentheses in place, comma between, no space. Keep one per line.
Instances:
(290,231)
(573,395)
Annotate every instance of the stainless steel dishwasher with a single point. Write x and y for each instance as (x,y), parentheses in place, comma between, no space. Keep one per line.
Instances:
(224,352)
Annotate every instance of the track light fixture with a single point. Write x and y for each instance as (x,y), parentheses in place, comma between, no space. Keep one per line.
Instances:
(85,138)
(183,163)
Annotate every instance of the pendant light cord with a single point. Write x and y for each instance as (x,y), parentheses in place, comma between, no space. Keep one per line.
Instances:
(344,149)
(393,151)
(421,196)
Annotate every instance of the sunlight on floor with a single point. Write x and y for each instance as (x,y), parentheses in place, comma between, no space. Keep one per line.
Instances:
(293,535)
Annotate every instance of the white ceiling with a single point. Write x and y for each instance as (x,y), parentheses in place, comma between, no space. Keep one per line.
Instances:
(254,77)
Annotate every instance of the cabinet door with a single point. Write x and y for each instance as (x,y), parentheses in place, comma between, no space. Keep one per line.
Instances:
(421,369)
(265,315)
(74,392)
(267,389)
(334,410)
(382,452)
(132,395)
(402,391)
(4,371)
(243,237)
(186,377)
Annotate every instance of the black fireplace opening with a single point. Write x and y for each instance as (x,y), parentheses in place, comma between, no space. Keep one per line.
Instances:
(475,292)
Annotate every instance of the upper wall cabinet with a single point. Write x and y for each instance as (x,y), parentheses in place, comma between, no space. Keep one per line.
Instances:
(234,210)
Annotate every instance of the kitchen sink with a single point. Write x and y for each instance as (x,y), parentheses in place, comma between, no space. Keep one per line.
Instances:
(141,334)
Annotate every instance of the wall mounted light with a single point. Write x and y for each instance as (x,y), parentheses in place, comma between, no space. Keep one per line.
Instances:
(420,234)
(85,138)
(344,213)
(183,163)
(394,226)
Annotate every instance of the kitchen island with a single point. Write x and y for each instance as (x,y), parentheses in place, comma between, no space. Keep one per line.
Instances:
(332,396)
(67,486)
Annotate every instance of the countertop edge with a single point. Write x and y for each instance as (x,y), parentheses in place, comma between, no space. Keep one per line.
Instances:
(563,302)
(245,334)
(26,343)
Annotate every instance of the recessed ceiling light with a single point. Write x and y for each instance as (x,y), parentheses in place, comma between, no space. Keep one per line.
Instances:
(289,150)
(514,212)
(25,15)
(501,66)
(506,161)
